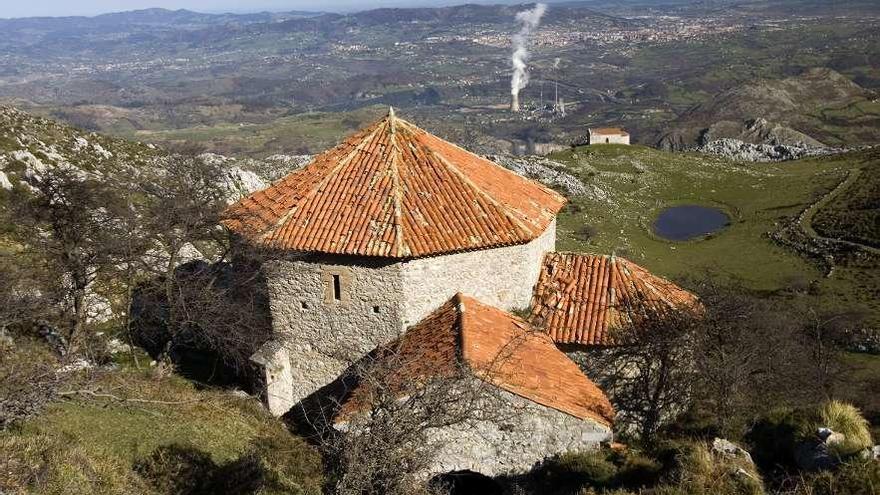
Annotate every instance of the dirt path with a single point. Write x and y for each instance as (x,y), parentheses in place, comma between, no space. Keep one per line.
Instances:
(806,219)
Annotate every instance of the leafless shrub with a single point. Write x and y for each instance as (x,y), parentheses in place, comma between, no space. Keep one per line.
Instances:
(28,381)
(586,232)
(743,350)
(651,373)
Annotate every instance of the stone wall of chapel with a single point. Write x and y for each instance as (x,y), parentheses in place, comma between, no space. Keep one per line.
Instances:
(324,334)
(329,311)
(531,433)
(502,277)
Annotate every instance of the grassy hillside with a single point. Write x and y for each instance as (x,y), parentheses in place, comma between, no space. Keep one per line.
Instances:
(854,214)
(118,441)
(303,133)
(630,185)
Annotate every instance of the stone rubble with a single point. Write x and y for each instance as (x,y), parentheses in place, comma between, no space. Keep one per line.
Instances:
(736,149)
(544,170)
(77,365)
(116,346)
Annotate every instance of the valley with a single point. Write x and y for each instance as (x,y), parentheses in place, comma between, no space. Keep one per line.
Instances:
(338,253)
(195,78)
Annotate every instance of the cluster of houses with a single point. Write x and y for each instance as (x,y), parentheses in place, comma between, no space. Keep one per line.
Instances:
(396,237)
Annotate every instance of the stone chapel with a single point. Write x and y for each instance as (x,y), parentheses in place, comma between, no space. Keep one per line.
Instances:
(377,235)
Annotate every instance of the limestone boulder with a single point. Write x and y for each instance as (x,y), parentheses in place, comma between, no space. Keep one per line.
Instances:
(726,448)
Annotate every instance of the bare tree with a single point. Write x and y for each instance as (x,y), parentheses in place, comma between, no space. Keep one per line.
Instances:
(393,405)
(650,374)
(182,207)
(820,337)
(69,223)
(742,354)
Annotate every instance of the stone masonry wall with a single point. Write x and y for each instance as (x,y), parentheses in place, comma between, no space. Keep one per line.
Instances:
(502,277)
(323,335)
(532,433)
(378,300)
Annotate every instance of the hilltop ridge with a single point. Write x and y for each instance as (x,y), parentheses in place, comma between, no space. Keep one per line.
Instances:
(818,107)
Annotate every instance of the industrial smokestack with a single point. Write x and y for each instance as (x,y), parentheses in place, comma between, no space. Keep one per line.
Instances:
(528,21)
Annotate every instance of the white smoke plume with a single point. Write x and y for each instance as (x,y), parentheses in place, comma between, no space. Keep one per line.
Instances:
(528,21)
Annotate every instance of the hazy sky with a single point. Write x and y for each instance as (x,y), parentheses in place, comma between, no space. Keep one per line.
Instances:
(15,8)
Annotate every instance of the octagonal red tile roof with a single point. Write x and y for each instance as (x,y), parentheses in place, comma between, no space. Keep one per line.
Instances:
(584,298)
(394,190)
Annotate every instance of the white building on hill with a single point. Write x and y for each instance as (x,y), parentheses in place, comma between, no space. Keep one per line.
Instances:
(607,135)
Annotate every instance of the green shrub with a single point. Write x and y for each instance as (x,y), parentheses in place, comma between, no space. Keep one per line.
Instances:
(604,471)
(572,471)
(276,464)
(694,424)
(178,470)
(637,471)
(287,464)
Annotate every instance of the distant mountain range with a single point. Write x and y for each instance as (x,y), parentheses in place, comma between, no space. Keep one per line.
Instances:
(148,17)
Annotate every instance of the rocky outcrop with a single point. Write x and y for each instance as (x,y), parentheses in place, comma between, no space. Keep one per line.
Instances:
(757,131)
(544,170)
(736,149)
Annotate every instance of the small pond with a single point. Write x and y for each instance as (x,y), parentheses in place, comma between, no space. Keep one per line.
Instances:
(685,222)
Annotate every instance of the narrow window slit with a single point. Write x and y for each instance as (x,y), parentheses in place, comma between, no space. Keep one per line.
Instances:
(377,309)
(337,288)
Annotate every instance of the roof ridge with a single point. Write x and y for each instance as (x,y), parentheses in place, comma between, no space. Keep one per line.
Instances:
(501,207)
(401,246)
(282,220)
(507,170)
(459,308)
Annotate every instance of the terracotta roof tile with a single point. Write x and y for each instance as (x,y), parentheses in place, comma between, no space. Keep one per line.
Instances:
(499,348)
(394,190)
(614,131)
(583,298)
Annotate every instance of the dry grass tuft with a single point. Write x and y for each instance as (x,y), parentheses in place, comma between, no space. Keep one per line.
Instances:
(846,419)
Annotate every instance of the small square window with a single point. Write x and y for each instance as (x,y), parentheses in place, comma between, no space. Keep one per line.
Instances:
(377,309)
(305,305)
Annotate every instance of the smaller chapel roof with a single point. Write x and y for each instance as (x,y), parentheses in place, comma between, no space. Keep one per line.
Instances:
(497,347)
(608,131)
(585,298)
(394,190)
